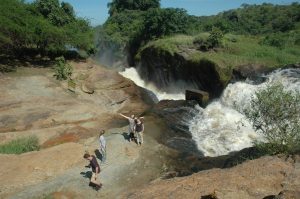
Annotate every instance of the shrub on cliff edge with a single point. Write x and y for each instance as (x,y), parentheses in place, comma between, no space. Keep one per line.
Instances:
(275,113)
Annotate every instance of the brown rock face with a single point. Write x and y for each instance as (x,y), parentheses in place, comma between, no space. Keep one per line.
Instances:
(253,179)
(33,102)
(165,69)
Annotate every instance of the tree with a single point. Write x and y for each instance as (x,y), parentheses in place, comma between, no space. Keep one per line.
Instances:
(275,113)
(117,6)
(68,9)
(215,37)
(46,7)
(163,22)
(42,27)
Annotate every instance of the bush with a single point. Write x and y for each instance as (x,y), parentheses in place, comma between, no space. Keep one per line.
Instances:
(213,40)
(62,69)
(276,40)
(275,114)
(202,43)
(21,145)
(215,37)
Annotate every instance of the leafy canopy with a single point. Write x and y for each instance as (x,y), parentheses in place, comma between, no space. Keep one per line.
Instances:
(117,6)
(43,27)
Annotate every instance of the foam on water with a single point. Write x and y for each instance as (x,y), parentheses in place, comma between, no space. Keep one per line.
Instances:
(131,73)
(220,128)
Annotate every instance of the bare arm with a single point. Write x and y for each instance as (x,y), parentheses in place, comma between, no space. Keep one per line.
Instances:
(124,116)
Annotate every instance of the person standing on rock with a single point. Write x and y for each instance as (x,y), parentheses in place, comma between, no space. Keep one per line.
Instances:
(139,129)
(102,146)
(95,170)
(131,126)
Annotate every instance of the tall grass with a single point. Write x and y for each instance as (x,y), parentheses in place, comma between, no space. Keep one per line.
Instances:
(20,145)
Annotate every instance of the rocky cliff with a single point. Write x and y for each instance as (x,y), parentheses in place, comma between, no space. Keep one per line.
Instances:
(261,178)
(168,70)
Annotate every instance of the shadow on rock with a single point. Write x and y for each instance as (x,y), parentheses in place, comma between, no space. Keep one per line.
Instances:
(126,136)
(87,174)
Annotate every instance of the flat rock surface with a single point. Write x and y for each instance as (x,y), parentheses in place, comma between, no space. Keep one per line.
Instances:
(67,124)
(33,102)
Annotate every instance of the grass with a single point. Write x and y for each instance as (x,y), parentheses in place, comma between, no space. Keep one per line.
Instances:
(238,50)
(20,145)
(171,44)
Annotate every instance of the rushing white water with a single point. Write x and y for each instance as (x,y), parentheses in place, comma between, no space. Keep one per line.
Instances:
(220,128)
(132,74)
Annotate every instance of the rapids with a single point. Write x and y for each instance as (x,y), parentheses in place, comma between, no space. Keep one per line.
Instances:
(220,128)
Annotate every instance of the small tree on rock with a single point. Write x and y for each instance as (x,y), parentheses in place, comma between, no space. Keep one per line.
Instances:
(62,69)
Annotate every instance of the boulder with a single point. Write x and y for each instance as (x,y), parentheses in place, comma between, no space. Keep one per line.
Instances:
(201,97)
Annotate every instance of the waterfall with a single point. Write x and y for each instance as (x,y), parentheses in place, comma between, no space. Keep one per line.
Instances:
(220,129)
(131,73)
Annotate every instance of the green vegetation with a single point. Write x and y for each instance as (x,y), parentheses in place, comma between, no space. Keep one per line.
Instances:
(275,113)
(131,27)
(20,145)
(43,27)
(117,6)
(236,50)
(253,19)
(62,69)
(207,42)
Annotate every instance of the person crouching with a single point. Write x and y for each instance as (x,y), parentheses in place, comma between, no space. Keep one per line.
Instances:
(95,170)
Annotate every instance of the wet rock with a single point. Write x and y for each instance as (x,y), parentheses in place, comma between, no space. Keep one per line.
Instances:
(201,97)
(167,70)
(177,115)
(254,73)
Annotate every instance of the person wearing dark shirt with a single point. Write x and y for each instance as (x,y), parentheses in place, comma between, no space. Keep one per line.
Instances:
(95,169)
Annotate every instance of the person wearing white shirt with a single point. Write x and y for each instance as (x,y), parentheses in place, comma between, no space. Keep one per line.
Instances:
(102,144)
